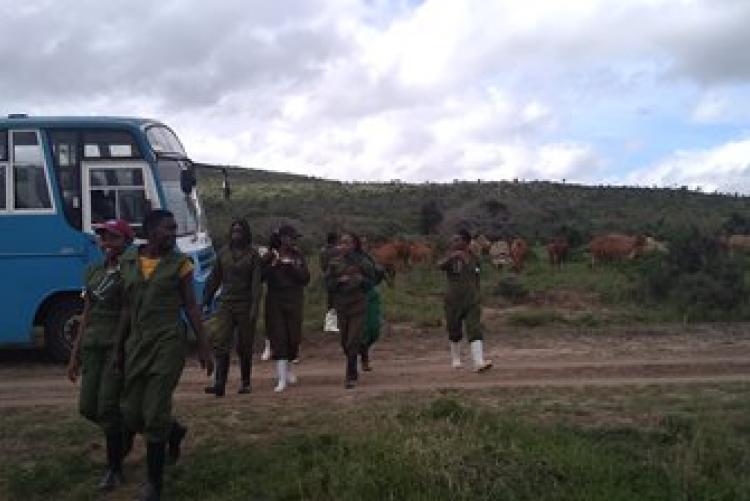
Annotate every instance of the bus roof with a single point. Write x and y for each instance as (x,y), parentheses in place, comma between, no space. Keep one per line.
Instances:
(15,120)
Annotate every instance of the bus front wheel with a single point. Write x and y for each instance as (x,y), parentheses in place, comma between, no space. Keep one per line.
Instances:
(61,328)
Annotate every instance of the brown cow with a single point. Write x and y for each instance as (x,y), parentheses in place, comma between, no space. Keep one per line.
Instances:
(557,250)
(420,253)
(500,253)
(615,246)
(739,243)
(519,250)
(388,256)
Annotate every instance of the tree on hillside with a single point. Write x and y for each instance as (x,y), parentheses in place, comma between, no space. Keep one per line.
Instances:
(737,224)
(431,218)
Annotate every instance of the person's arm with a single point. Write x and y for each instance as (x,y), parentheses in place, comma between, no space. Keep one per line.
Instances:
(194,317)
(121,335)
(256,288)
(213,282)
(300,270)
(74,364)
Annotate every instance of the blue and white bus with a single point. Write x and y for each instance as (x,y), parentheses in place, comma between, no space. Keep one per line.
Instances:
(60,176)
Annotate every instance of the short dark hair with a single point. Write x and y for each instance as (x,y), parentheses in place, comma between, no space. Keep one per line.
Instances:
(331,238)
(153,219)
(465,235)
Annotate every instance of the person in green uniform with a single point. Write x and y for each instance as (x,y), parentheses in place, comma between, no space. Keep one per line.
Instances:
(349,277)
(99,399)
(286,275)
(238,272)
(151,349)
(462,300)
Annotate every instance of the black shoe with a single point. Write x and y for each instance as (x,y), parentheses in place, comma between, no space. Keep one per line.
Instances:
(149,492)
(210,390)
(111,480)
(246,368)
(155,468)
(244,389)
(350,384)
(176,435)
(127,443)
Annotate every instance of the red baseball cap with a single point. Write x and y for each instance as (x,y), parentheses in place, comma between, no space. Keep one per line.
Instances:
(116,226)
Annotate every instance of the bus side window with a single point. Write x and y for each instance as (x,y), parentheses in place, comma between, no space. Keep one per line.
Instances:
(29,177)
(3,168)
(65,149)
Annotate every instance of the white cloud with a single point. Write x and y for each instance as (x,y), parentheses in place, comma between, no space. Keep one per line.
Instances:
(725,168)
(378,89)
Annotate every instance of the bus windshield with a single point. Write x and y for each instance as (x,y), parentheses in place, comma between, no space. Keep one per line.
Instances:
(186,209)
(164,142)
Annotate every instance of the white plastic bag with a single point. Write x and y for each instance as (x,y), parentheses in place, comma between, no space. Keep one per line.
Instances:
(331,323)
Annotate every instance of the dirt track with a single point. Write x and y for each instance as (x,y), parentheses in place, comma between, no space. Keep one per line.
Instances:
(407,360)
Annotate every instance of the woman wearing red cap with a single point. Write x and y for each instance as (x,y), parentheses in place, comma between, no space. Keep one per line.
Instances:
(100,385)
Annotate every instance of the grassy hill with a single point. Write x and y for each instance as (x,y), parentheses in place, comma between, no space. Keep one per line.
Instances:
(536,210)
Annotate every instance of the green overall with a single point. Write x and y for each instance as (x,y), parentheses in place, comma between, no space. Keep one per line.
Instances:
(350,299)
(239,272)
(462,301)
(372,319)
(100,384)
(285,302)
(156,346)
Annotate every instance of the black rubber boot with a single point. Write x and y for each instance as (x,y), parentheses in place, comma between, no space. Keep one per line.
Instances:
(113,476)
(127,442)
(351,371)
(155,453)
(365,354)
(222,371)
(246,368)
(176,434)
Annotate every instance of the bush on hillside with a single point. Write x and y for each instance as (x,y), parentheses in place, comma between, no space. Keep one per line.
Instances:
(696,276)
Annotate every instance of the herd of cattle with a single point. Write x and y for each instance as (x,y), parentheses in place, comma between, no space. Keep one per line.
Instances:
(397,255)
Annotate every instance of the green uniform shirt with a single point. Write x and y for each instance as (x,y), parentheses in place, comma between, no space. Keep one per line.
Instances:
(354,290)
(156,343)
(463,278)
(239,271)
(104,294)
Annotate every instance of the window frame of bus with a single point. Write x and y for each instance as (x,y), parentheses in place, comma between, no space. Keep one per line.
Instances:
(11,175)
(4,161)
(105,155)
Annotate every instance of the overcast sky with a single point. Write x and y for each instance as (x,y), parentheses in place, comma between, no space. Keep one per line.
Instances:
(595,91)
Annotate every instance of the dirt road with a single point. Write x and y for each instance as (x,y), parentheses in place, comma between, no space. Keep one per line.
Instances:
(407,359)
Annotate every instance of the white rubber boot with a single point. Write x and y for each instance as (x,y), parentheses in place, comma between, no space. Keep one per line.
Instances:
(282,369)
(480,364)
(266,351)
(455,355)
(291,377)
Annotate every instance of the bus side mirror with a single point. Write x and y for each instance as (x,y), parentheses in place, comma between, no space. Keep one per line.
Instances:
(187,181)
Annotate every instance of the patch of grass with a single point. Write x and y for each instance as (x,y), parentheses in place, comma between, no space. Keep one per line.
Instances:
(521,445)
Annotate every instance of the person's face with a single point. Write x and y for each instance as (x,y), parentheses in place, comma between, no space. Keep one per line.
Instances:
(164,236)
(346,244)
(237,234)
(288,241)
(457,243)
(112,244)
(365,244)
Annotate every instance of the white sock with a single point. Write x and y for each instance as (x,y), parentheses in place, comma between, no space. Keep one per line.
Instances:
(455,354)
(281,371)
